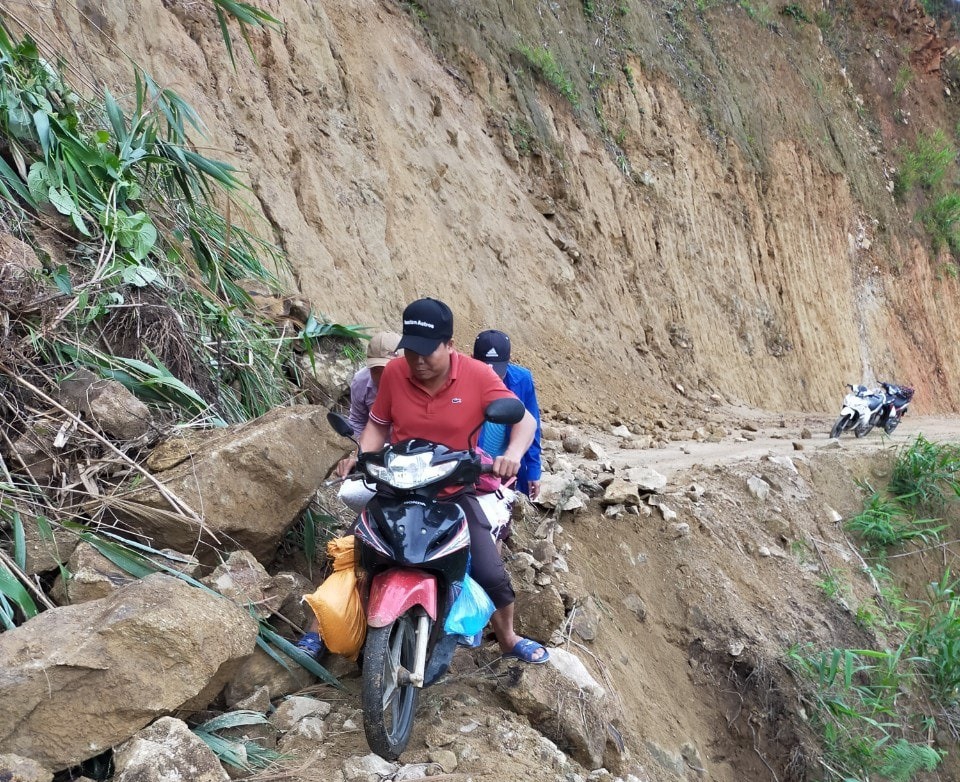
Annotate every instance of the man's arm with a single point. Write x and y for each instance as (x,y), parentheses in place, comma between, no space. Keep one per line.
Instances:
(359,407)
(373,438)
(521,435)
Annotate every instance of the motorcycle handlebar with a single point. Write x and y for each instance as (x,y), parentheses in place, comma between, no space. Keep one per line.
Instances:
(348,477)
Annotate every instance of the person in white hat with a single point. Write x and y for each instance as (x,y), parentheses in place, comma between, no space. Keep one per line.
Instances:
(381,348)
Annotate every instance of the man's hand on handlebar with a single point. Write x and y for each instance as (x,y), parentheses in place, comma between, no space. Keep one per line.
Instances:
(505,467)
(345,466)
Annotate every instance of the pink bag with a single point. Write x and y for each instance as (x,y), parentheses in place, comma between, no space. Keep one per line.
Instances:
(487,482)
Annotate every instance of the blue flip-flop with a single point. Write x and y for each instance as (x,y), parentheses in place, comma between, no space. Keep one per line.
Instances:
(525,649)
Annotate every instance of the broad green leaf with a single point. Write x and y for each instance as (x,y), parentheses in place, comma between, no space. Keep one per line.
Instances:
(15,591)
(113,165)
(233,719)
(79,223)
(115,116)
(137,234)
(270,641)
(6,612)
(140,276)
(43,525)
(131,190)
(18,122)
(19,541)
(41,122)
(38,181)
(225,33)
(121,556)
(62,200)
(61,278)
(246,13)
(222,172)
(10,181)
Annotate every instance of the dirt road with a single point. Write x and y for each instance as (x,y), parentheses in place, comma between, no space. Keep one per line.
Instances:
(776,436)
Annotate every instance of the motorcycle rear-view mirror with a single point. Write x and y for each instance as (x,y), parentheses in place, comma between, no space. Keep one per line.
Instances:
(508,411)
(340,424)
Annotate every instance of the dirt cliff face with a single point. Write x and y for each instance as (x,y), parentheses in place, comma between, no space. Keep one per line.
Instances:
(706,206)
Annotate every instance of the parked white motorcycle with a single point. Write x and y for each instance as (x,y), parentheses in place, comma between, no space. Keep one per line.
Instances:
(860,411)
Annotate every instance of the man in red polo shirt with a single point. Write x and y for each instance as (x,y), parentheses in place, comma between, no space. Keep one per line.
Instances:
(439,394)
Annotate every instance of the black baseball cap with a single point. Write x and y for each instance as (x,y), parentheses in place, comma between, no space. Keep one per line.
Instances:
(493,348)
(426,323)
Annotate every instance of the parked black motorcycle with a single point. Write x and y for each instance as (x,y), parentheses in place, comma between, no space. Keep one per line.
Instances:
(895,405)
(413,549)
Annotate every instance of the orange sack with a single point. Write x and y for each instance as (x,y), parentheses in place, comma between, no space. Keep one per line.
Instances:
(337,602)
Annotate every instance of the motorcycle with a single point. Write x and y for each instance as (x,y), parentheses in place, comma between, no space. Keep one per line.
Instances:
(413,551)
(894,406)
(860,411)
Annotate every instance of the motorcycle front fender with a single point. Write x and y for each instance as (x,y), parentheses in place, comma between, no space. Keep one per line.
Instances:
(395,591)
(850,413)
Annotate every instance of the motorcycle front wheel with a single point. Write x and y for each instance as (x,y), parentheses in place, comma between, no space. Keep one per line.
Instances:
(890,425)
(388,698)
(839,426)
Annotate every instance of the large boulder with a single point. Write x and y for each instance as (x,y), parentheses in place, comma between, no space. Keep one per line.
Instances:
(107,403)
(17,769)
(245,581)
(91,577)
(80,679)
(250,481)
(262,670)
(564,703)
(165,751)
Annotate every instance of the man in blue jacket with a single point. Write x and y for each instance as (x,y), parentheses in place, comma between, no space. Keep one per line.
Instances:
(493,348)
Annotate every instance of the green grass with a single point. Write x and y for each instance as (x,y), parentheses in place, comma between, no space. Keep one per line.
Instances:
(927,163)
(851,698)
(834,587)
(823,19)
(140,202)
(875,709)
(935,641)
(246,16)
(795,12)
(416,10)
(941,220)
(884,522)
(926,475)
(545,63)
(759,12)
(904,77)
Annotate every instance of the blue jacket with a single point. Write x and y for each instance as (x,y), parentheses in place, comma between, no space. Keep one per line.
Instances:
(519,380)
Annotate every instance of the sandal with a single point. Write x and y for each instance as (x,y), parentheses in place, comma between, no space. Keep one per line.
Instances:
(525,649)
(312,644)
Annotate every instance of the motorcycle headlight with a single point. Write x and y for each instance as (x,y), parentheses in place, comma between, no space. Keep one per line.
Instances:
(410,471)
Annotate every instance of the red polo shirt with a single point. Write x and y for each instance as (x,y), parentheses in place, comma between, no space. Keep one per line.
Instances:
(449,415)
